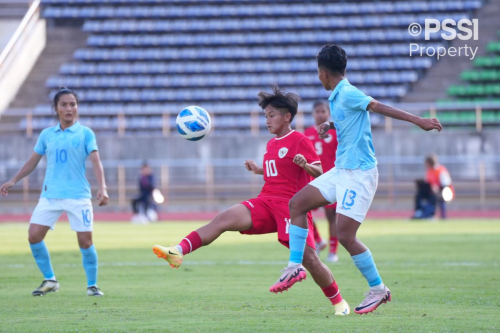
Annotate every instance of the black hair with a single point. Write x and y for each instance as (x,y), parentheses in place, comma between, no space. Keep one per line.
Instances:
(332,58)
(63,91)
(318,103)
(280,99)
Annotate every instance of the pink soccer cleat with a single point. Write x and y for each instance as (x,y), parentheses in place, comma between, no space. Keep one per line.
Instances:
(289,276)
(372,300)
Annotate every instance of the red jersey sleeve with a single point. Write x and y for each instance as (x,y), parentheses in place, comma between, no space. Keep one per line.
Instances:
(306,149)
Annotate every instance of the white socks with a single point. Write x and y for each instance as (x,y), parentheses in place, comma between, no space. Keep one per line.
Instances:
(379,287)
(292,264)
(179,248)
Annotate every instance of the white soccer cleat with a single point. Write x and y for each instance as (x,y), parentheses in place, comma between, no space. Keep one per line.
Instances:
(332,257)
(94,291)
(342,308)
(320,246)
(47,286)
(139,219)
(372,300)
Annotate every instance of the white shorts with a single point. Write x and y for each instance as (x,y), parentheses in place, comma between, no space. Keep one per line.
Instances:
(353,189)
(79,211)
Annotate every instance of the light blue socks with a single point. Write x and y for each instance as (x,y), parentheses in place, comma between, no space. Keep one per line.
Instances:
(42,259)
(89,259)
(298,238)
(364,262)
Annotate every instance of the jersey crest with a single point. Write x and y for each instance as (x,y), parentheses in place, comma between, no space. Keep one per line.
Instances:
(282,152)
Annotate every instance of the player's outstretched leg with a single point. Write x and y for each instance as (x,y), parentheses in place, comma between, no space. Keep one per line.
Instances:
(236,218)
(324,279)
(363,260)
(36,235)
(331,216)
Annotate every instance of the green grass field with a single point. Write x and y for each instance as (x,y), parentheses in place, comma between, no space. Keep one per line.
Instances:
(444,277)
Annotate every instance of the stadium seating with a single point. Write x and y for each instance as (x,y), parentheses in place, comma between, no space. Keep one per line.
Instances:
(158,56)
(483,81)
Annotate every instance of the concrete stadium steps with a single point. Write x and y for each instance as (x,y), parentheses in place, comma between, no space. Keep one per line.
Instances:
(445,72)
(13,8)
(61,44)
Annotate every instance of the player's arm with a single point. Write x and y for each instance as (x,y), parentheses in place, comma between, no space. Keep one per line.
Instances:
(27,168)
(392,112)
(102,193)
(253,167)
(314,170)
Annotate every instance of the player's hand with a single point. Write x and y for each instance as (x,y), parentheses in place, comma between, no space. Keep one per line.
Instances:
(102,197)
(300,160)
(4,189)
(252,166)
(429,124)
(323,130)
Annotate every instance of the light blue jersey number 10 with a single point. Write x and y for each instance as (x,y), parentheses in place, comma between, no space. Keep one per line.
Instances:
(61,156)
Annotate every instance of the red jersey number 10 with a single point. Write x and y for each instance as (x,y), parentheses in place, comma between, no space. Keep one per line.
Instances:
(271,170)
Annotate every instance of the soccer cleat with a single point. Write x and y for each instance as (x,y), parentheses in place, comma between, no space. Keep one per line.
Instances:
(342,308)
(373,299)
(47,286)
(332,257)
(289,276)
(170,254)
(94,291)
(320,246)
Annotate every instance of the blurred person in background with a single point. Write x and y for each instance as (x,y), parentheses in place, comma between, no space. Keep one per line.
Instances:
(143,205)
(326,150)
(438,177)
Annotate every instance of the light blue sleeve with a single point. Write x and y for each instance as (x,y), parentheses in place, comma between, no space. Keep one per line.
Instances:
(355,99)
(90,141)
(40,146)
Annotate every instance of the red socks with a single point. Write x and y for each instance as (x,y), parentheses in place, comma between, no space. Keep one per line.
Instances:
(317,237)
(332,293)
(334,243)
(191,243)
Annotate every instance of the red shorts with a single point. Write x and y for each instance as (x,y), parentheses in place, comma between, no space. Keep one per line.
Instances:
(271,215)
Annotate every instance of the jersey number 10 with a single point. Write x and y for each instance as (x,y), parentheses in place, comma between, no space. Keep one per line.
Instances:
(61,156)
(271,170)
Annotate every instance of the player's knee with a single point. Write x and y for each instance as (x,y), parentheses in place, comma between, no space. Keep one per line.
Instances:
(345,238)
(295,206)
(34,238)
(85,244)
(223,221)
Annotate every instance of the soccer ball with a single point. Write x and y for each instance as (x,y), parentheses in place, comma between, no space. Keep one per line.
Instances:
(193,123)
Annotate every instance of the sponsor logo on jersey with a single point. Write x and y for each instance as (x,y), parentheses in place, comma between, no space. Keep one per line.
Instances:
(282,152)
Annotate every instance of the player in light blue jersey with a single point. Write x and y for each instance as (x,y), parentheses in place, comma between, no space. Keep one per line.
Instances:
(65,189)
(353,181)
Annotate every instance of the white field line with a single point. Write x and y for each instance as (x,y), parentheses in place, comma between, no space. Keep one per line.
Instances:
(256,263)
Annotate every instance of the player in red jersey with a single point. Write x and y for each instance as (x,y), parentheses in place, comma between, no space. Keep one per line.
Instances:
(326,150)
(289,164)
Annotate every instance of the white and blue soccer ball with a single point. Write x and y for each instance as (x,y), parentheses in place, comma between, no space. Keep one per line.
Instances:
(193,123)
